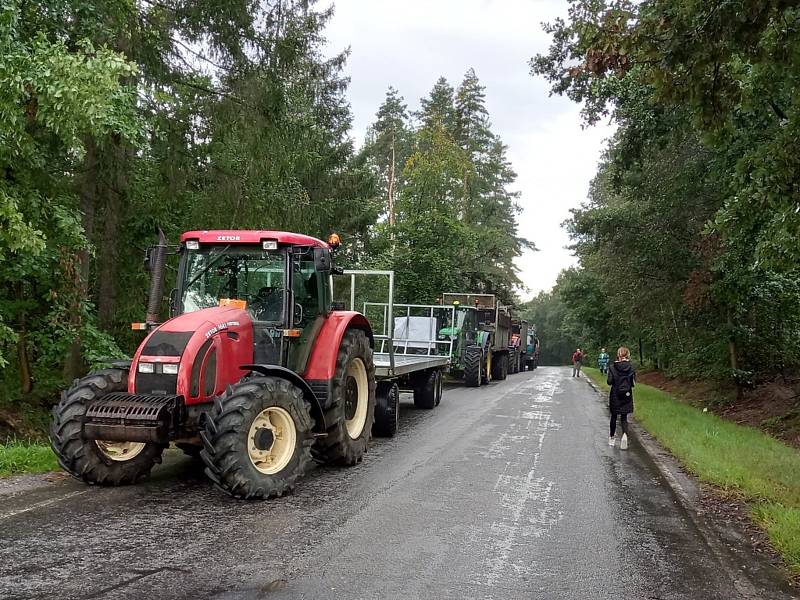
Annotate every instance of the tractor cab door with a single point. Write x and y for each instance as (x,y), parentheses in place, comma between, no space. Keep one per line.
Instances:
(311,301)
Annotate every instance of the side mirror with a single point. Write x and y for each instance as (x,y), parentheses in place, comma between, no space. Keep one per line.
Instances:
(322,260)
(148,259)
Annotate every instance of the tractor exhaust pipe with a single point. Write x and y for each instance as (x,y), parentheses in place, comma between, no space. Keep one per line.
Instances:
(157,258)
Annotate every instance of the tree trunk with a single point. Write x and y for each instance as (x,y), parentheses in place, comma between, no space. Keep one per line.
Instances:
(108,251)
(390,202)
(73,362)
(25,379)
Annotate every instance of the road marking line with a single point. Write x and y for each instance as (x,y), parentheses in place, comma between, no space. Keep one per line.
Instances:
(42,504)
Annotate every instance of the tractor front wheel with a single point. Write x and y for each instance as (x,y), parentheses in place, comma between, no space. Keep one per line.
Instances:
(473,366)
(257,438)
(352,404)
(97,461)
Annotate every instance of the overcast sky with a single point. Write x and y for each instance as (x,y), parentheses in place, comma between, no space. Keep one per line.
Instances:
(409,44)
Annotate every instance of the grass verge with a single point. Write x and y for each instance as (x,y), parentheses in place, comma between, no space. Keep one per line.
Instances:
(18,457)
(739,460)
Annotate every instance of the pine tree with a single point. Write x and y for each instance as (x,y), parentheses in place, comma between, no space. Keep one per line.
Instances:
(388,146)
(439,106)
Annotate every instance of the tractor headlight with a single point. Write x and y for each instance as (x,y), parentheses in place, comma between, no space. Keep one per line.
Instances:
(193,244)
(269,245)
(146,367)
(170,368)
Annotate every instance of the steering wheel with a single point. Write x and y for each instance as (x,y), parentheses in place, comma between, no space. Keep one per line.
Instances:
(266,303)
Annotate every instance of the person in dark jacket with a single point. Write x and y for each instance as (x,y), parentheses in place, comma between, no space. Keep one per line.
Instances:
(621,378)
(577,361)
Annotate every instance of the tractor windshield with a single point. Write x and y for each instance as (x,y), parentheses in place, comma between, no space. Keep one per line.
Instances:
(245,273)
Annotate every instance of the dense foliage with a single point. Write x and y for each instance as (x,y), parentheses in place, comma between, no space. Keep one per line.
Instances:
(450,222)
(116,117)
(688,243)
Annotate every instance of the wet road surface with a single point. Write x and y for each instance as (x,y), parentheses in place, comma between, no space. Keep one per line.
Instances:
(506,491)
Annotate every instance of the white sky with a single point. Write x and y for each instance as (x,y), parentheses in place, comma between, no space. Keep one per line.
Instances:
(410,44)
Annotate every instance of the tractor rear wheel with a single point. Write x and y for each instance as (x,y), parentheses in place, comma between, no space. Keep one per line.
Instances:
(387,409)
(426,385)
(500,367)
(97,461)
(257,438)
(352,410)
(473,363)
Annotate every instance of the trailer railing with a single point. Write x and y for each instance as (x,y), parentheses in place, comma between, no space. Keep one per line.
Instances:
(410,315)
(390,315)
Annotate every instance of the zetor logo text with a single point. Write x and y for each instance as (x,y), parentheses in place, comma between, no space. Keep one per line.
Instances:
(220,327)
(229,238)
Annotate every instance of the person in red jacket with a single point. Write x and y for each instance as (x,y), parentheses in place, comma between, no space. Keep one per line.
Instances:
(577,361)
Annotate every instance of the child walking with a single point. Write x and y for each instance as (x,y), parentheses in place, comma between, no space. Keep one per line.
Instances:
(621,378)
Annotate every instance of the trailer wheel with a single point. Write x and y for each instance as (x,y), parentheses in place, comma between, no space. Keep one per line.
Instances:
(257,438)
(500,367)
(387,409)
(473,363)
(97,461)
(425,389)
(352,404)
(513,363)
(439,385)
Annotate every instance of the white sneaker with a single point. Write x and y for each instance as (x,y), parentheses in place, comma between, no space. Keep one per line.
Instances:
(623,443)
(611,441)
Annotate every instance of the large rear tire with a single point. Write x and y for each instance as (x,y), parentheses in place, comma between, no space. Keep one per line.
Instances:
(97,461)
(473,363)
(352,410)
(257,438)
(387,410)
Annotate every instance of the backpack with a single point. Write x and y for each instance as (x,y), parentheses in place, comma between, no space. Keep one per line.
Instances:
(624,384)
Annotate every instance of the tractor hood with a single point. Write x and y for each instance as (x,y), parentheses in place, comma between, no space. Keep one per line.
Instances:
(449,331)
(193,355)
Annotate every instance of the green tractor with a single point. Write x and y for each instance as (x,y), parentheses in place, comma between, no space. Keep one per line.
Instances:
(480,333)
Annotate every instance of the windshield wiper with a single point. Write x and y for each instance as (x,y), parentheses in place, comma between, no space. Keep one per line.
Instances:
(208,266)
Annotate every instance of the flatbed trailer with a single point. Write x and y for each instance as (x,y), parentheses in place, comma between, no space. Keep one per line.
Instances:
(404,360)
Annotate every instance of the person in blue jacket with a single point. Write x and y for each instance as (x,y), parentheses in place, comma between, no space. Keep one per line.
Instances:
(602,361)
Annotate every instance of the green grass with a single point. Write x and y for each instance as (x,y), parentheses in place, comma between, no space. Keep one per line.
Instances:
(17,457)
(739,460)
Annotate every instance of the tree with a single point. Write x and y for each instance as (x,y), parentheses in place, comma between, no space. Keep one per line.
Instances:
(388,146)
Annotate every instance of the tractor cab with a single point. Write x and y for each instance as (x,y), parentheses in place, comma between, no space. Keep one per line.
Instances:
(281,280)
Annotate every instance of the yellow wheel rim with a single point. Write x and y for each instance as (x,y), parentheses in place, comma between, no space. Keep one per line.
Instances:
(120,451)
(489,366)
(271,440)
(356,391)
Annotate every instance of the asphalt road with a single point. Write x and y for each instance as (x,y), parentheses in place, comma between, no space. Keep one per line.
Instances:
(506,491)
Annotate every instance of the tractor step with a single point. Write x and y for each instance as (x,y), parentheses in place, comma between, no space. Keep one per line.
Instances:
(122,417)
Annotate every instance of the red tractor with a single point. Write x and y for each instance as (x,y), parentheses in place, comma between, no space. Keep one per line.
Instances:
(256,372)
